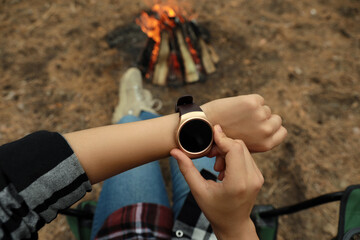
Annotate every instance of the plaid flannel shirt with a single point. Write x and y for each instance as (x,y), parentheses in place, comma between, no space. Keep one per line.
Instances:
(152,221)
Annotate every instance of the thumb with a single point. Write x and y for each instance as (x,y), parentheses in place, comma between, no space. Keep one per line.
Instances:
(187,168)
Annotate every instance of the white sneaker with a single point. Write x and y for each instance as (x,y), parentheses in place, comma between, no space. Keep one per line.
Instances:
(133,98)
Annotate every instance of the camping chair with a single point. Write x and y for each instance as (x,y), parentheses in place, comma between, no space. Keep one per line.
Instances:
(265,217)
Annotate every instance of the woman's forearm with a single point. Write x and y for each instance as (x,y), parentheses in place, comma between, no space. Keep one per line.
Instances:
(106,151)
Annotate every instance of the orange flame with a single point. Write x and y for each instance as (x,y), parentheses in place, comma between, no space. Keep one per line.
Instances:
(152,24)
(193,51)
(161,17)
(149,25)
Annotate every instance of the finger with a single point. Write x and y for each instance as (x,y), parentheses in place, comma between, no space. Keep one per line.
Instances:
(253,163)
(259,99)
(277,137)
(273,125)
(235,165)
(256,174)
(219,164)
(233,152)
(221,175)
(223,143)
(253,173)
(260,176)
(191,174)
(248,160)
(276,121)
(267,110)
(214,151)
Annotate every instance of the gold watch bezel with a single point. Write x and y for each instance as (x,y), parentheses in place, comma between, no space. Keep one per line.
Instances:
(199,115)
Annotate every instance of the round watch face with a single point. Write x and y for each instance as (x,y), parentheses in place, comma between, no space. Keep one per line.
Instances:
(195,135)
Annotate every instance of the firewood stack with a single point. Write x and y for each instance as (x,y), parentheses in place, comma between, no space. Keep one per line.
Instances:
(177,51)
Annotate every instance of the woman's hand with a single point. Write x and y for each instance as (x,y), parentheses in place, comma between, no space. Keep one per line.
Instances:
(249,119)
(227,204)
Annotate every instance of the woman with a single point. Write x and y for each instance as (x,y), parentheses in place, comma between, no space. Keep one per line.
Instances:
(45,172)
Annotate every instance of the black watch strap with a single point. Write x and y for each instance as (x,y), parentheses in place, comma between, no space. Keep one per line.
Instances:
(185,104)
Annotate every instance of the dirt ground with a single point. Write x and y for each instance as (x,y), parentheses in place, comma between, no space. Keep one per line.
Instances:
(58,73)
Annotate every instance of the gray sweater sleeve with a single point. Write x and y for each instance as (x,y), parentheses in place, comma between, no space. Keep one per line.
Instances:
(39,175)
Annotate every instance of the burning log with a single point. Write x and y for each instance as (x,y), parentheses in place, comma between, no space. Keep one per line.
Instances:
(161,67)
(180,52)
(208,54)
(191,74)
(215,58)
(145,57)
(206,57)
(175,77)
(193,46)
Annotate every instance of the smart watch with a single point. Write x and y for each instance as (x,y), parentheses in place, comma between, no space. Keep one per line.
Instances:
(194,135)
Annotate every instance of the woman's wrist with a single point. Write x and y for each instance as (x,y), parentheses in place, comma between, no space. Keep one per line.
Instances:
(208,112)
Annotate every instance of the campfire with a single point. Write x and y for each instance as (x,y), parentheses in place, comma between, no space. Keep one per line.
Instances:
(177,50)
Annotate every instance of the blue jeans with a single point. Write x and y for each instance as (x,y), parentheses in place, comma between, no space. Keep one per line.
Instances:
(143,184)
